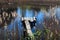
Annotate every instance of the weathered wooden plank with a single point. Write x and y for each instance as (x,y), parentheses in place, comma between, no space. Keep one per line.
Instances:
(12,3)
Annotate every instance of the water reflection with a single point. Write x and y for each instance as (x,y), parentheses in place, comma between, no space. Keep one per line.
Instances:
(57,10)
(40,19)
(29,13)
(19,11)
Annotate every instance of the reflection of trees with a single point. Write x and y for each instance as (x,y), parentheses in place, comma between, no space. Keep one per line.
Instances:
(53,26)
(6,16)
(51,30)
